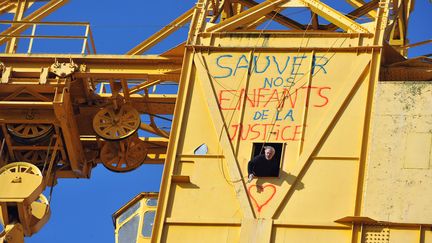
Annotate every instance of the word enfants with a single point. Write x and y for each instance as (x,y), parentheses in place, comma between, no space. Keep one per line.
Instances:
(263,98)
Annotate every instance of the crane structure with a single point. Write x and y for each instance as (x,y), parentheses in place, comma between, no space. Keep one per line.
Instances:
(325,88)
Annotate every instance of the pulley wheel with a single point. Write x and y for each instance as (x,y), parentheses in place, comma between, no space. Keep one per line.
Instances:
(123,156)
(29,133)
(20,167)
(116,125)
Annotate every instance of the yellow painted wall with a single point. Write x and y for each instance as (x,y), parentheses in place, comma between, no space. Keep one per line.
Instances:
(399,171)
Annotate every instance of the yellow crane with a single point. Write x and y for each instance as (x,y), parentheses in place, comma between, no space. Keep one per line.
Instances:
(322,93)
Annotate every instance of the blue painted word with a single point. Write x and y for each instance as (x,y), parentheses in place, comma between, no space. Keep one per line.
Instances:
(279,82)
(261,115)
(281,65)
(280,117)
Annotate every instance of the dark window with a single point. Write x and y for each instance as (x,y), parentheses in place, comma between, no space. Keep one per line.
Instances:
(267,168)
(148,222)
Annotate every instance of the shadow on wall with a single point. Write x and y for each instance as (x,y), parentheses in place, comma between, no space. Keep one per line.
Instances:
(283,176)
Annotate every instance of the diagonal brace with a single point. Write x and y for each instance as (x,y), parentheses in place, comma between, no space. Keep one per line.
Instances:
(162,34)
(334,16)
(217,117)
(247,16)
(280,18)
(322,132)
(364,9)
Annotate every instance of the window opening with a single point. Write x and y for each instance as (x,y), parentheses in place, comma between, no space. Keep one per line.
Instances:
(129,212)
(148,222)
(129,231)
(152,202)
(260,165)
(201,150)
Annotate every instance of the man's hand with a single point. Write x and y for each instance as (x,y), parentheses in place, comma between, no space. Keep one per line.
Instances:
(250,178)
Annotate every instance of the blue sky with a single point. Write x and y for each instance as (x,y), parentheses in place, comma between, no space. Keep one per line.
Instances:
(81,208)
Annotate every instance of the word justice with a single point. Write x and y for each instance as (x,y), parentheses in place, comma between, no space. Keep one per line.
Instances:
(261,131)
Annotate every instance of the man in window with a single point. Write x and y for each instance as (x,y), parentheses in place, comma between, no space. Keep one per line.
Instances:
(263,164)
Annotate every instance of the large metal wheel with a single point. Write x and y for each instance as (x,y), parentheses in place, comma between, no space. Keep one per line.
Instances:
(123,156)
(42,199)
(30,133)
(116,125)
(20,167)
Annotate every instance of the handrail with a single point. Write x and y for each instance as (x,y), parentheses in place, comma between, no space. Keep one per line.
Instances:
(88,45)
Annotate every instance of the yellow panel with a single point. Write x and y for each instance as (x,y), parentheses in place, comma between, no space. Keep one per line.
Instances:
(404,236)
(345,137)
(210,234)
(418,150)
(427,236)
(209,196)
(198,121)
(310,235)
(325,194)
(397,192)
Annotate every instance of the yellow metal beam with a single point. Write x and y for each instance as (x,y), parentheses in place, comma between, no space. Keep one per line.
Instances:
(358,3)
(149,67)
(256,23)
(177,124)
(334,16)
(362,10)
(162,34)
(144,85)
(6,7)
(64,113)
(35,16)
(277,17)
(246,16)
(13,233)
(19,14)
(154,130)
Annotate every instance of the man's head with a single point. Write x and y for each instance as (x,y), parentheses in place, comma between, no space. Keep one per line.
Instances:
(269,152)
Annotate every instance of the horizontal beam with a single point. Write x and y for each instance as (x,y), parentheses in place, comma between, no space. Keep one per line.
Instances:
(90,59)
(26,104)
(151,67)
(285,49)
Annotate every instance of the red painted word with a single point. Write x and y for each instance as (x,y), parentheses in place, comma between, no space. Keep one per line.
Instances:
(261,131)
(261,97)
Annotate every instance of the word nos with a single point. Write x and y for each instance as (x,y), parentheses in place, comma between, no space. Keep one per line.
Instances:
(263,97)
(260,131)
(260,64)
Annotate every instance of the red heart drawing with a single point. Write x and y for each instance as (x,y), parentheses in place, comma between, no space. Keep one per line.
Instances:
(260,206)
